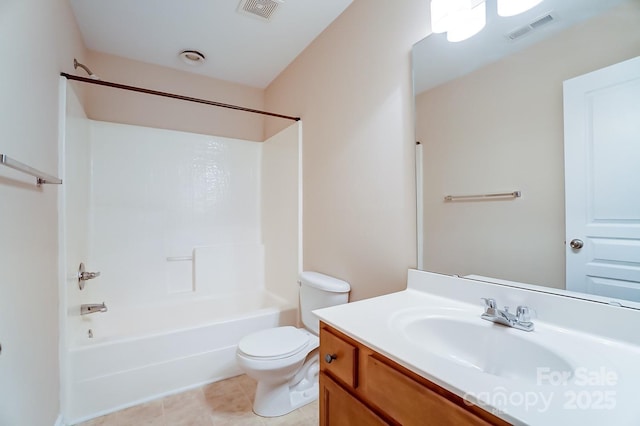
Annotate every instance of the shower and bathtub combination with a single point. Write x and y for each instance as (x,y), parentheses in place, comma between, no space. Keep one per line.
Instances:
(195,239)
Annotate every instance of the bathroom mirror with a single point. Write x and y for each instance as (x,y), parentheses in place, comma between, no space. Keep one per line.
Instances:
(489,119)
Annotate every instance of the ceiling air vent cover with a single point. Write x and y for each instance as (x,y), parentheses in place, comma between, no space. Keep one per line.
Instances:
(533,25)
(261,9)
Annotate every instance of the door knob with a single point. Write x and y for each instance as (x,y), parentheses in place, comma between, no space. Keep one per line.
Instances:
(576,244)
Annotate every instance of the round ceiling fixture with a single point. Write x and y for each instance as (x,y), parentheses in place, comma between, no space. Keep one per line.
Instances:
(192,57)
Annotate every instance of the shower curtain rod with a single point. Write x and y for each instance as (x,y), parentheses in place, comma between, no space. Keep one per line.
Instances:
(173,96)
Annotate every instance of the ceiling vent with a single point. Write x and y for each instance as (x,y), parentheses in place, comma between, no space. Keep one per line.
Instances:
(533,25)
(261,9)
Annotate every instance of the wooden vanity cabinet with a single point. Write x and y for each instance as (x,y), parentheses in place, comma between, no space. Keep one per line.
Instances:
(361,387)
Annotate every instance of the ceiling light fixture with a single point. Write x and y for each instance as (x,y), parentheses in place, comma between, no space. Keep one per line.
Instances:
(192,57)
(515,7)
(460,19)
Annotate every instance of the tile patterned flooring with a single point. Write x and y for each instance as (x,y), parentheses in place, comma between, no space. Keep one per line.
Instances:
(224,403)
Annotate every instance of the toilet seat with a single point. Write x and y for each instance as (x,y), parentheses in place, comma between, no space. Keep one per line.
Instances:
(274,343)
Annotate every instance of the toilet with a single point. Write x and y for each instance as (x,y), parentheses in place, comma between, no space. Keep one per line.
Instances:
(284,360)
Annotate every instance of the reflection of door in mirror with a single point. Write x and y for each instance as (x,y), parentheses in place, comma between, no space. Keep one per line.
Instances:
(602,178)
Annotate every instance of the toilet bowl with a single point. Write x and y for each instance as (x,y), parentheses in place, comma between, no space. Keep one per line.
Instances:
(284,360)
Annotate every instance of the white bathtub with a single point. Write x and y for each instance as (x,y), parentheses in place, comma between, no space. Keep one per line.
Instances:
(139,354)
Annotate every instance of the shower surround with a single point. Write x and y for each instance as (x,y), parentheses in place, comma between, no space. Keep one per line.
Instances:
(174,222)
(172,215)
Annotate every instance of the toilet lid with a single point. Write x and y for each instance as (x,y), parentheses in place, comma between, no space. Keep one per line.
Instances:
(279,342)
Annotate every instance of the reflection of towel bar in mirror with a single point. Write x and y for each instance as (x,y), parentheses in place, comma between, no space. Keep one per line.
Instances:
(41,178)
(180,259)
(514,194)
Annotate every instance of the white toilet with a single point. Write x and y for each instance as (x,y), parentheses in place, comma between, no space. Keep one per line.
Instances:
(284,360)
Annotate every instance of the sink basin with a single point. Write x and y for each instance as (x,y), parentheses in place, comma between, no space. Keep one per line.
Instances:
(481,345)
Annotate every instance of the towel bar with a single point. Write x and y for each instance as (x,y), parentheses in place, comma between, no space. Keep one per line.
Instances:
(41,178)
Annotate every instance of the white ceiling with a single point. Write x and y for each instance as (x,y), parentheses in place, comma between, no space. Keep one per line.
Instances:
(238,48)
(436,61)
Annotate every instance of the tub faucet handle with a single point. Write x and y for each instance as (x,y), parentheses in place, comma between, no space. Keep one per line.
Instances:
(89,275)
(83,275)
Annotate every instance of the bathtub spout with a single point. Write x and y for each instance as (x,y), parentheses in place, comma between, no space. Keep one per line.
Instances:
(91,308)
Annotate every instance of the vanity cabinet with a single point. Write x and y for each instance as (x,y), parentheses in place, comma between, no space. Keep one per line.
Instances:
(359,386)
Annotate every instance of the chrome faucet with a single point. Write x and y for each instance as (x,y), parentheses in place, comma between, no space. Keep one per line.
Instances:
(83,276)
(92,308)
(521,320)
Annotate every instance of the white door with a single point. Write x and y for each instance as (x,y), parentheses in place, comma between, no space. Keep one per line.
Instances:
(602,181)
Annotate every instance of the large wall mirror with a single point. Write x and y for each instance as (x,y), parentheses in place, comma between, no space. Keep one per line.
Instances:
(490,119)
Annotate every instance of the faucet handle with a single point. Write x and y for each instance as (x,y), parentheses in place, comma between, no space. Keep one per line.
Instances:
(489,303)
(490,306)
(84,276)
(523,314)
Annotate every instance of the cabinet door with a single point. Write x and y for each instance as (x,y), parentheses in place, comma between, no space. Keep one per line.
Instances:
(339,408)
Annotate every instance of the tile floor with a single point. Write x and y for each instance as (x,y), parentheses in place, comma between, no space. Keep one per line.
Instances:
(225,403)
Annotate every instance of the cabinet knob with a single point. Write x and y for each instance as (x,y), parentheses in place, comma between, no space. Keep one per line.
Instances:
(330,357)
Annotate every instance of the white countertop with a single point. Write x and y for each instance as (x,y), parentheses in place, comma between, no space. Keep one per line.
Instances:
(602,390)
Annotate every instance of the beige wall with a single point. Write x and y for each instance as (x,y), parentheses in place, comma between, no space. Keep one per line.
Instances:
(352,88)
(38,39)
(119,106)
(501,129)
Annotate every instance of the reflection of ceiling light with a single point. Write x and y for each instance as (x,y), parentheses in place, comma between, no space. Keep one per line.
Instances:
(439,16)
(467,22)
(460,19)
(515,7)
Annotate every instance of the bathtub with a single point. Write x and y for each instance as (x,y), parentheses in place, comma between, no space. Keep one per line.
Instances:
(143,353)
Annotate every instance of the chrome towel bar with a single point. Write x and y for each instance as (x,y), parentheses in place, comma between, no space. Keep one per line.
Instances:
(41,178)
(514,194)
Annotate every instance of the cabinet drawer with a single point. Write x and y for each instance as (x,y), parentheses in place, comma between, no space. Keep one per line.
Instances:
(338,358)
(409,402)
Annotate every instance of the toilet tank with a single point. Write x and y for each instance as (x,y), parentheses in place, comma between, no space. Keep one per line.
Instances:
(320,291)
